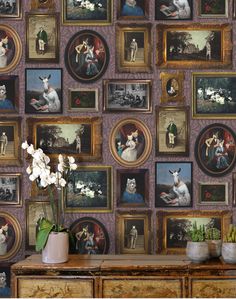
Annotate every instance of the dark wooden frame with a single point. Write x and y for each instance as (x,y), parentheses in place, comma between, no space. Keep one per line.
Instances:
(136,18)
(16,96)
(18,202)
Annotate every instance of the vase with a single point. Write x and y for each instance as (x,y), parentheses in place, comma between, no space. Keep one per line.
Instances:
(229,252)
(197,252)
(56,249)
(214,248)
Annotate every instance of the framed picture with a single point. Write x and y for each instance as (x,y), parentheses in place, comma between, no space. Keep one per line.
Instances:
(10,189)
(77,136)
(133,48)
(89,190)
(132,187)
(5,280)
(10,48)
(34,210)
(9,94)
(172,227)
(174,10)
(127,95)
(194,46)
(42,4)
(43,91)
(10,137)
(11,10)
(234,9)
(174,184)
(215,193)
(215,149)
(87,56)
(209,9)
(90,236)
(172,89)
(83,100)
(130,142)
(133,10)
(10,236)
(234,189)
(42,38)
(172,125)
(84,13)
(214,95)
(133,233)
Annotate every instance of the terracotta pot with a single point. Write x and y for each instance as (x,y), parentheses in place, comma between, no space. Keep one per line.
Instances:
(214,247)
(56,249)
(197,252)
(229,252)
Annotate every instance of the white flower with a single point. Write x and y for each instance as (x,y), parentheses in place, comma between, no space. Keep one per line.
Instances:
(60,167)
(36,171)
(46,159)
(29,170)
(71,160)
(60,158)
(25,145)
(38,154)
(32,177)
(30,149)
(62,182)
(73,166)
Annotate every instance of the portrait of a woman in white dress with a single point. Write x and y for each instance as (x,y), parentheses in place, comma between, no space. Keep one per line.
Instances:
(7,49)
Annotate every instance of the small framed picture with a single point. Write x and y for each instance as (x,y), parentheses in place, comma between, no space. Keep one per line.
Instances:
(127,95)
(174,10)
(42,4)
(43,91)
(172,87)
(133,10)
(10,189)
(213,9)
(174,184)
(83,100)
(11,10)
(133,233)
(213,193)
(9,94)
(132,187)
(234,188)
(89,190)
(5,280)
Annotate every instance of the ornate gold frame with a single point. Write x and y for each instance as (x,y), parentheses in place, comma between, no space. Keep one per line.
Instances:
(18,189)
(165,97)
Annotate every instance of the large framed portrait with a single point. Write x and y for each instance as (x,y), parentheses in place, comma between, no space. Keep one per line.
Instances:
(10,189)
(5,280)
(172,124)
(174,184)
(133,48)
(132,188)
(133,232)
(130,142)
(172,89)
(174,10)
(9,94)
(90,235)
(133,10)
(194,46)
(10,48)
(83,100)
(214,95)
(76,136)
(10,236)
(213,9)
(215,150)
(89,190)
(87,56)
(173,226)
(213,193)
(42,38)
(127,95)
(84,13)
(43,91)
(11,10)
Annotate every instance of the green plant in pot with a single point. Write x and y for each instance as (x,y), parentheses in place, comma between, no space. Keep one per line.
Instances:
(229,245)
(197,248)
(213,237)
(52,237)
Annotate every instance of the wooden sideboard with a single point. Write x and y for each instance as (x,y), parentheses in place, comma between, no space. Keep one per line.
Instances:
(119,276)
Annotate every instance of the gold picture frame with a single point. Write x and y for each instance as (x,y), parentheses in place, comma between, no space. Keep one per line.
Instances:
(172,87)
(42,4)
(133,48)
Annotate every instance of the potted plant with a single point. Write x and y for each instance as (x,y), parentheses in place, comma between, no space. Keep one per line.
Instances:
(213,238)
(229,246)
(52,237)
(197,249)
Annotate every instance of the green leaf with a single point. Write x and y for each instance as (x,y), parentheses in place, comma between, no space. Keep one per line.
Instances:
(44,229)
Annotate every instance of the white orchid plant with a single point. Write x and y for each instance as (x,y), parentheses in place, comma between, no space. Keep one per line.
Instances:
(40,171)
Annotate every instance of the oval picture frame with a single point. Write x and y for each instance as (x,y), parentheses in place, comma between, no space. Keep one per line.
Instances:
(11,49)
(87,56)
(10,237)
(130,151)
(215,149)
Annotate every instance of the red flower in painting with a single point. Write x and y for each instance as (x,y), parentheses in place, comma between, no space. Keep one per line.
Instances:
(207,194)
(77,101)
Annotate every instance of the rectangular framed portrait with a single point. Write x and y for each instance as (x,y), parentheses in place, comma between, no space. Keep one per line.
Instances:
(43,91)
(174,10)
(133,10)
(11,9)
(173,226)
(127,95)
(174,184)
(133,233)
(133,48)
(10,189)
(83,100)
(9,94)
(214,96)
(194,46)
(89,190)
(76,136)
(84,13)
(172,87)
(213,9)
(5,280)
(213,193)
(132,187)
(172,125)
(42,38)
